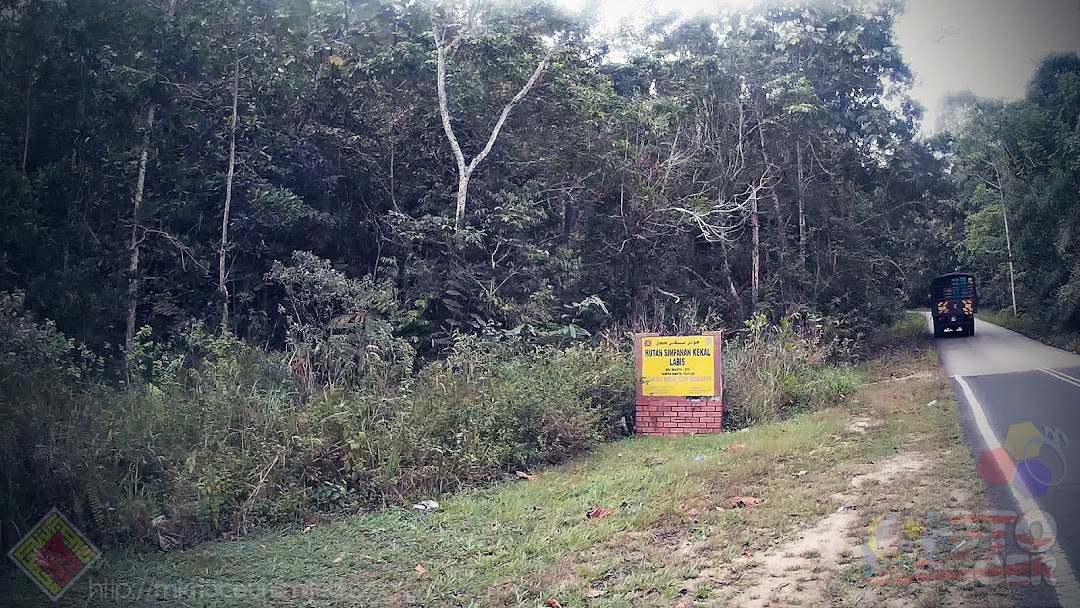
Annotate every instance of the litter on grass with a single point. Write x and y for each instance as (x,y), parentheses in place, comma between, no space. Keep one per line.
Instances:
(425,506)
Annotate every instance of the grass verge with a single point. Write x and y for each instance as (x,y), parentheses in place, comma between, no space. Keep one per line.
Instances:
(672,536)
(1034,329)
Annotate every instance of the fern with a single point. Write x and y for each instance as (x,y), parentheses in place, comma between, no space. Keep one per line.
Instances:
(166,308)
(76,509)
(1052,282)
(96,506)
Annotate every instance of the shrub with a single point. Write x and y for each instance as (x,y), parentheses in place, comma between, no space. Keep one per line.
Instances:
(488,408)
(213,435)
(772,372)
(340,329)
(46,403)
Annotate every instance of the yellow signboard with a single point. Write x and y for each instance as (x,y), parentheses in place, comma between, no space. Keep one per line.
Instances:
(678,366)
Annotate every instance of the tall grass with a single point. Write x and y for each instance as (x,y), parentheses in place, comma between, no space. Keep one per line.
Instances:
(213,435)
(210,435)
(773,372)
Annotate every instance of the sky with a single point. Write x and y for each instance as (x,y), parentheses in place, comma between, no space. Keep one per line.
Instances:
(989,47)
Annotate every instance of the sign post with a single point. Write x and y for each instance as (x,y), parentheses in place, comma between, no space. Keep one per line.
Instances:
(680,384)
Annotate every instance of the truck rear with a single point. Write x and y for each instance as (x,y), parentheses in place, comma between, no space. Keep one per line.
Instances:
(954,300)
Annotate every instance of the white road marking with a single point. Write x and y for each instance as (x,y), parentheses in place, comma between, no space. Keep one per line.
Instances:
(1061,376)
(1067,588)
(987,433)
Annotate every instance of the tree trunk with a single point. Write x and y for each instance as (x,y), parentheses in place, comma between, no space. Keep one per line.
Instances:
(134,279)
(725,269)
(462,195)
(465,170)
(755,277)
(26,130)
(1008,242)
(223,290)
(802,208)
(136,240)
(781,232)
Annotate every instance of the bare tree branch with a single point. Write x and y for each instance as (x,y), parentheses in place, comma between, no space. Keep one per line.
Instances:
(714,224)
(465,171)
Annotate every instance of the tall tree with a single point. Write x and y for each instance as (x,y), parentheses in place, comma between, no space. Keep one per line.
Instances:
(135,248)
(137,229)
(227,206)
(1018,172)
(465,170)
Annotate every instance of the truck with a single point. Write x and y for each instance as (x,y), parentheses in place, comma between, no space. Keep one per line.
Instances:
(954,300)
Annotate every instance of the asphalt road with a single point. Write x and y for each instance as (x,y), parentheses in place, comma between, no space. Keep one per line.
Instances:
(1007,383)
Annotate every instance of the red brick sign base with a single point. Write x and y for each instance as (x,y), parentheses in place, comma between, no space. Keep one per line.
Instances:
(672,416)
(676,416)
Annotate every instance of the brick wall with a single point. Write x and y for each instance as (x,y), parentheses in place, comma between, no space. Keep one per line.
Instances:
(673,416)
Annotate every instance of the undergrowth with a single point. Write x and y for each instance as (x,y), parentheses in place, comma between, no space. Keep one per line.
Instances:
(1034,328)
(773,372)
(211,437)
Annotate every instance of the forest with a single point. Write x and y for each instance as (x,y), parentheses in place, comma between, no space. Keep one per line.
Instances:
(265,257)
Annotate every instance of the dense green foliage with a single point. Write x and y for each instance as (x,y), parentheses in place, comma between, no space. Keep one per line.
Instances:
(218,436)
(626,180)
(281,171)
(1023,158)
(773,372)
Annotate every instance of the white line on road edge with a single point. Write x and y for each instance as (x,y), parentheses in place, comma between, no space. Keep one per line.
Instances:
(1067,588)
(1061,376)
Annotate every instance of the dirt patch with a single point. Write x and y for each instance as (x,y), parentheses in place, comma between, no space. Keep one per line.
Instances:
(862,425)
(797,574)
(923,375)
(894,468)
(401,599)
(559,579)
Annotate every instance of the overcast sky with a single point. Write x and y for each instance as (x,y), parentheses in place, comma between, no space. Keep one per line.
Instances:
(988,46)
